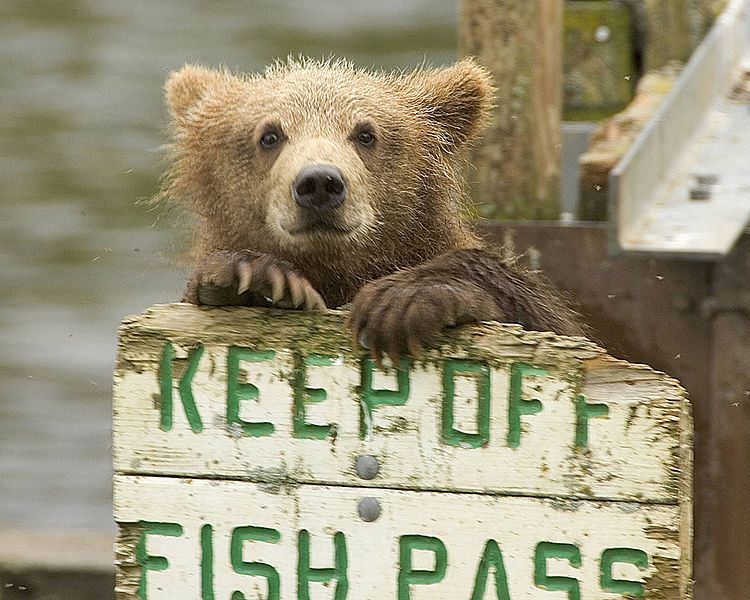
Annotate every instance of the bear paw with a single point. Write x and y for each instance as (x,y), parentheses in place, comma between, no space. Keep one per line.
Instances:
(396,316)
(252,279)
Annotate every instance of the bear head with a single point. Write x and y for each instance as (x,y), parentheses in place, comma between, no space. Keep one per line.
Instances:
(320,161)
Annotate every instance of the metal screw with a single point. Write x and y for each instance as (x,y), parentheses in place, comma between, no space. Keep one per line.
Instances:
(368,509)
(367,466)
(602,34)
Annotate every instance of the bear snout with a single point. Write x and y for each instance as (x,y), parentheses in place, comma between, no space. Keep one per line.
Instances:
(320,188)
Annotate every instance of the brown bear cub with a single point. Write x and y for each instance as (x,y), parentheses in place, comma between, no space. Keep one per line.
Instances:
(318,184)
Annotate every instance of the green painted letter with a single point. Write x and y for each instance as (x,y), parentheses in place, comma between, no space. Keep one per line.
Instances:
(372,398)
(451,435)
(207,562)
(584,412)
(166,370)
(407,576)
(569,552)
(492,557)
(258,569)
(633,589)
(237,391)
(152,563)
(517,404)
(306,574)
(303,395)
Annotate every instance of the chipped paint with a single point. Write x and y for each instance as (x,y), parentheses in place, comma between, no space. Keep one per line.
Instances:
(494,415)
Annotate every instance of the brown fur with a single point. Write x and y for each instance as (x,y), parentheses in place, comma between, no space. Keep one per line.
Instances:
(399,246)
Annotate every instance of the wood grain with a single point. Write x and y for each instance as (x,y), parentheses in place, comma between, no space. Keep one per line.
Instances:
(237,418)
(516,172)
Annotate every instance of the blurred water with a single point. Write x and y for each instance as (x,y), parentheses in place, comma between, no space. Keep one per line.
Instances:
(81,122)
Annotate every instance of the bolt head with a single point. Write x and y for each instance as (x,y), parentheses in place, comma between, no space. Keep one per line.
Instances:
(368,509)
(367,466)
(602,34)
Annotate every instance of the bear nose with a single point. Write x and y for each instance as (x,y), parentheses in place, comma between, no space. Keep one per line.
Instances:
(320,187)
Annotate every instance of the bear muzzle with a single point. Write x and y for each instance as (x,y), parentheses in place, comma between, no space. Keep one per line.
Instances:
(319,189)
(324,205)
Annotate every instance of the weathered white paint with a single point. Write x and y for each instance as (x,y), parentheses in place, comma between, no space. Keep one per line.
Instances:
(463,522)
(635,453)
(626,486)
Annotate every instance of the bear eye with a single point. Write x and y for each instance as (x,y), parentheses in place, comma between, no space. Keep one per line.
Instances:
(270,138)
(366,138)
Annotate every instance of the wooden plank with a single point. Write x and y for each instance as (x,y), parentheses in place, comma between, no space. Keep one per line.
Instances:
(459,545)
(517,173)
(528,409)
(504,464)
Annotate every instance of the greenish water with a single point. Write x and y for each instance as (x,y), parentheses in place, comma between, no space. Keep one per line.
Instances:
(81,123)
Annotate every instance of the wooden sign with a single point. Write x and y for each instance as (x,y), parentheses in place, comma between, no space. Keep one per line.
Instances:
(259,456)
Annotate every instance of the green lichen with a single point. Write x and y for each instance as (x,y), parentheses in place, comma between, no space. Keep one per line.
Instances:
(569,360)
(396,425)
(665,583)
(273,480)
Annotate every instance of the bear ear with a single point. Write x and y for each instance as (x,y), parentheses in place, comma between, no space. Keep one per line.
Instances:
(458,97)
(186,87)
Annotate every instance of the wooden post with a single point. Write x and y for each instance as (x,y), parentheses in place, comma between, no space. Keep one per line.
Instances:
(729,437)
(599,59)
(517,165)
(673,30)
(256,449)
(709,10)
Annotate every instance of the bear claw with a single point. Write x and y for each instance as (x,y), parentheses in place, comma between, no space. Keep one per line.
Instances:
(248,278)
(245,272)
(282,287)
(277,284)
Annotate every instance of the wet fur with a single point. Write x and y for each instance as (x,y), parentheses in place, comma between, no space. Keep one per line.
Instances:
(410,262)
